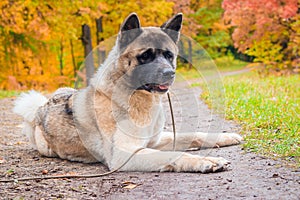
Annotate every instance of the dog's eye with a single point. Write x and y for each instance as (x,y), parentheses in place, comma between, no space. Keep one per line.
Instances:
(146,57)
(168,55)
(147,54)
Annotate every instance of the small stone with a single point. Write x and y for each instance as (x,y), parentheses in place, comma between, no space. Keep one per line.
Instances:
(35,158)
(275,175)
(93,194)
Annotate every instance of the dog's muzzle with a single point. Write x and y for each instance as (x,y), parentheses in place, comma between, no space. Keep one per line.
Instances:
(152,87)
(167,74)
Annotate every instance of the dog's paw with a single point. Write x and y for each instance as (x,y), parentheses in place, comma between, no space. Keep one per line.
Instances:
(193,163)
(227,139)
(211,164)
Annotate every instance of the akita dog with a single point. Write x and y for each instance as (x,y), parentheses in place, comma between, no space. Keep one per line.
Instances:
(121,110)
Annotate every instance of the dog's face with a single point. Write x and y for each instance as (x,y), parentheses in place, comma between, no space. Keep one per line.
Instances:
(148,55)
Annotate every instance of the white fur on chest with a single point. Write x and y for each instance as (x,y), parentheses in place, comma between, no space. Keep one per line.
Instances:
(130,133)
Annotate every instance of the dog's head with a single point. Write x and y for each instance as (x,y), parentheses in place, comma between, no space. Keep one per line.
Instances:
(148,55)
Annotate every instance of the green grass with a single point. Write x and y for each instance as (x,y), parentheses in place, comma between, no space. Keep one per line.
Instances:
(184,74)
(223,64)
(228,63)
(268,110)
(6,93)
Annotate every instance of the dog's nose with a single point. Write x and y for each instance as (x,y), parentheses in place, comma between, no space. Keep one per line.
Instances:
(168,73)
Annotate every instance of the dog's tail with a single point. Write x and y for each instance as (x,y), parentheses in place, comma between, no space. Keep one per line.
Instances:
(27,104)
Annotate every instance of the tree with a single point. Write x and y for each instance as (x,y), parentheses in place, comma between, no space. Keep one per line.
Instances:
(189,28)
(39,40)
(267,30)
(203,23)
(36,35)
(213,35)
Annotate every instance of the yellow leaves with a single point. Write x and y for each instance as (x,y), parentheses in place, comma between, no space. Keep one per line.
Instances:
(220,26)
(33,32)
(129,185)
(151,12)
(84,10)
(103,7)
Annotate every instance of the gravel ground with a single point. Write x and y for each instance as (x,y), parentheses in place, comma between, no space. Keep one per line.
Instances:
(250,176)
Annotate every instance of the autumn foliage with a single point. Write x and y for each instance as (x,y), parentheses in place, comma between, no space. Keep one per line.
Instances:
(41,47)
(269,30)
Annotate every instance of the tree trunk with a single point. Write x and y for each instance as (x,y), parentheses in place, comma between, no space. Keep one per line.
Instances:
(87,43)
(101,51)
(182,54)
(73,58)
(61,57)
(190,57)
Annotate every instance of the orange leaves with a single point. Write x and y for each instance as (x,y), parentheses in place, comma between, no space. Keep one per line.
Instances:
(35,37)
(23,17)
(265,30)
(254,19)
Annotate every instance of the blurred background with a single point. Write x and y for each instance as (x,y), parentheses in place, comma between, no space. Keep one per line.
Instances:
(43,43)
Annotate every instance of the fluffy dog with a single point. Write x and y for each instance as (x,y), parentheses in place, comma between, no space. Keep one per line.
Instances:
(121,110)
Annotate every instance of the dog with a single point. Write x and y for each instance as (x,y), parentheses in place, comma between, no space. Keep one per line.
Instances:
(121,110)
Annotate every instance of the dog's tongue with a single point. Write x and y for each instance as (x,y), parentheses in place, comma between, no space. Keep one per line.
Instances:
(163,87)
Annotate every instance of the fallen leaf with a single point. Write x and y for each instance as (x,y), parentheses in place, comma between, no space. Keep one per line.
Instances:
(20,126)
(19,143)
(71,173)
(2,160)
(129,185)
(10,172)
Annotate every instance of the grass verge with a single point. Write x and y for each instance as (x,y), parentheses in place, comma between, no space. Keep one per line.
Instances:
(210,68)
(5,94)
(228,63)
(268,110)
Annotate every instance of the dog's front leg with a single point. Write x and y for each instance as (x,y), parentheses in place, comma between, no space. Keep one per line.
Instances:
(150,160)
(197,140)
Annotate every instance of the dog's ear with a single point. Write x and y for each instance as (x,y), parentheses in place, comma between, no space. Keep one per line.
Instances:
(130,29)
(173,26)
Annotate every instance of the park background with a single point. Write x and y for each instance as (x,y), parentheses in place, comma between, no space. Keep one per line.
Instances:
(42,48)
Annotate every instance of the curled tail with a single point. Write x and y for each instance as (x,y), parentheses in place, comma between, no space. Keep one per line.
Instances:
(27,104)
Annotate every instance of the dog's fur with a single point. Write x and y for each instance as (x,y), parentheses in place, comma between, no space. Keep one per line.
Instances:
(121,110)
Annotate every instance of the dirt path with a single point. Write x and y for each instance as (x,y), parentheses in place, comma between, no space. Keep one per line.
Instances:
(249,177)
